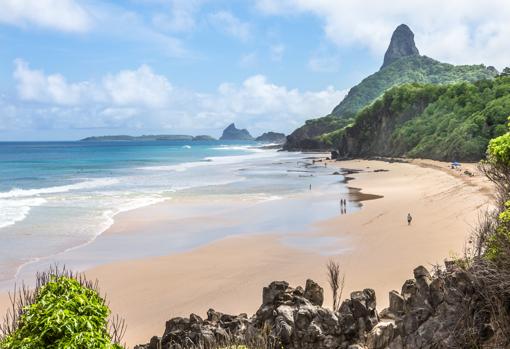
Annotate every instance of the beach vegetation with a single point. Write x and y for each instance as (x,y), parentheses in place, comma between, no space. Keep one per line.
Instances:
(406,70)
(63,311)
(443,122)
(489,266)
(336,280)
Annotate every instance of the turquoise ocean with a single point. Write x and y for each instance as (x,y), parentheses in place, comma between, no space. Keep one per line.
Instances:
(60,196)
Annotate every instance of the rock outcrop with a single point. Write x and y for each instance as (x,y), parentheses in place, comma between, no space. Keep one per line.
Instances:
(401,45)
(232,133)
(427,313)
(271,137)
(402,64)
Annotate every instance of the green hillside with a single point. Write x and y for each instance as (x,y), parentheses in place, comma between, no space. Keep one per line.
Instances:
(402,65)
(411,69)
(444,122)
(420,69)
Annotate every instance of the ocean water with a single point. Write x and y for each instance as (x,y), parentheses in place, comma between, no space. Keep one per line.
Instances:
(60,196)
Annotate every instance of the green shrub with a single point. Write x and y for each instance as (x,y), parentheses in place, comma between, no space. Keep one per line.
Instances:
(499,150)
(499,241)
(64,315)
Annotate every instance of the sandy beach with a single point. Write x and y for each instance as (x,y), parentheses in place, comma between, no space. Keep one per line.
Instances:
(380,249)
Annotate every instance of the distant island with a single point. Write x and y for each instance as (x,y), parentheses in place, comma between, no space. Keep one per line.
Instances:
(149,138)
(231,133)
(271,137)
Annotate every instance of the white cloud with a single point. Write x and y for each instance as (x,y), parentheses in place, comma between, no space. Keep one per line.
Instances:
(64,15)
(231,25)
(126,88)
(180,17)
(142,99)
(141,86)
(457,31)
(36,86)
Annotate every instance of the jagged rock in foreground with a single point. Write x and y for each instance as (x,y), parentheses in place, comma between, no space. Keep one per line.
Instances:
(427,313)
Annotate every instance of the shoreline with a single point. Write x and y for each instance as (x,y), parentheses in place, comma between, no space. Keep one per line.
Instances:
(148,291)
(229,274)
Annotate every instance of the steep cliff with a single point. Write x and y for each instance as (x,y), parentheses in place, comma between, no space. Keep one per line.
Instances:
(442,122)
(402,64)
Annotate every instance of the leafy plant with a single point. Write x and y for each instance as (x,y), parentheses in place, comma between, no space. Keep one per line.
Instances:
(64,313)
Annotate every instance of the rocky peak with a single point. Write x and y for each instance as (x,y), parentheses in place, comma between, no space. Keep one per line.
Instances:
(401,45)
(233,133)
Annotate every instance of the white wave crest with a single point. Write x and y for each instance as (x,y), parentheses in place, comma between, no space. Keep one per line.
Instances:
(88,184)
(13,211)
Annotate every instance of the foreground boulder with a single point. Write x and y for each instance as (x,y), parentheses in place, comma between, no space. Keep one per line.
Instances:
(424,314)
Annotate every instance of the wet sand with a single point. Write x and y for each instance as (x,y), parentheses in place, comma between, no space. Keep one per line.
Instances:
(376,248)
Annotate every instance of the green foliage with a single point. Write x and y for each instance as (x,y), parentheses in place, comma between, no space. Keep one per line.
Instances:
(412,69)
(499,150)
(501,239)
(443,122)
(66,315)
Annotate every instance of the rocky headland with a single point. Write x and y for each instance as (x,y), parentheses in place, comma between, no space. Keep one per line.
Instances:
(271,137)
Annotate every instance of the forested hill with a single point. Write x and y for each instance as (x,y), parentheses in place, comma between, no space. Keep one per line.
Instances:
(402,65)
(442,122)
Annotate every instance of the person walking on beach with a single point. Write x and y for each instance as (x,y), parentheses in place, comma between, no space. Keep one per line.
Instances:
(310,187)
(409,219)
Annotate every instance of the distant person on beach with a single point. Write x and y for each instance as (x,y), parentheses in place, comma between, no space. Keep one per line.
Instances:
(310,187)
(409,219)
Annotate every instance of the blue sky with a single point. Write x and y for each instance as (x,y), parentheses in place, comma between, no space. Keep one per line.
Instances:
(74,68)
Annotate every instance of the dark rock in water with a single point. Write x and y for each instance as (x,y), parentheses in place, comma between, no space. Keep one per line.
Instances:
(272,137)
(231,133)
(401,45)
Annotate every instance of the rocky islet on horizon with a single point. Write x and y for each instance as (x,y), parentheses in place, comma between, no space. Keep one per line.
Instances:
(231,133)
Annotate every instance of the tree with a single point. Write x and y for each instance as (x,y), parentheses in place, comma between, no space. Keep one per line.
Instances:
(505,72)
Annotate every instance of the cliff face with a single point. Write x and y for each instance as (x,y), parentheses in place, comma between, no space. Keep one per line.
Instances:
(372,133)
(402,64)
(232,133)
(401,45)
(430,311)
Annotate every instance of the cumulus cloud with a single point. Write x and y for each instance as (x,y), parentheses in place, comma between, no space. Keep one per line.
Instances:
(141,86)
(141,98)
(457,31)
(126,88)
(230,24)
(64,15)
